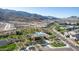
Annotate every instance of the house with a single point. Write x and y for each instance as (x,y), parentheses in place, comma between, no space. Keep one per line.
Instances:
(38,35)
(76,36)
(72,35)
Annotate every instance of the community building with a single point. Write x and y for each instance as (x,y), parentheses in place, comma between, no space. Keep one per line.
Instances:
(37,35)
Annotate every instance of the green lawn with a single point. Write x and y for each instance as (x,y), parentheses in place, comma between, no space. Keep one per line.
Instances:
(9,47)
(57,44)
(58,27)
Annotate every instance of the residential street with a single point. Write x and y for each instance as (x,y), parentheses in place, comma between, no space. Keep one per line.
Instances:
(65,40)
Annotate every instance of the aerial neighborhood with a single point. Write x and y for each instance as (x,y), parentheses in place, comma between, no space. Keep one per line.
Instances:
(22,31)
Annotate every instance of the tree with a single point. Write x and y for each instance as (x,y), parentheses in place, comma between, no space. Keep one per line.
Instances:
(19,33)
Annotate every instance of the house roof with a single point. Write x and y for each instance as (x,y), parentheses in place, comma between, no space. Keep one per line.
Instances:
(39,34)
(72,32)
(77,36)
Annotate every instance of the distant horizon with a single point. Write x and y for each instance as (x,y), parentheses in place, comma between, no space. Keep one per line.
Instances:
(60,12)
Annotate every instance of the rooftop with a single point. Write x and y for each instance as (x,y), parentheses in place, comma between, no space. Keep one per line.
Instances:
(40,34)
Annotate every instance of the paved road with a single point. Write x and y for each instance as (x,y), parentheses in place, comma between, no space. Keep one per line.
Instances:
(47,48)
(56,49)
(68,41)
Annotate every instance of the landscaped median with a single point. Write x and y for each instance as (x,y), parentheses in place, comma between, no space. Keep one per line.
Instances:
(55,41)
(57,44)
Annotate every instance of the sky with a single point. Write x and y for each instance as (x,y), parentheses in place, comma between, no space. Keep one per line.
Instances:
(61,12)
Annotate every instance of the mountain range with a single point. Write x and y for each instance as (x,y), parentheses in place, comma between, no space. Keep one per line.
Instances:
(13,15)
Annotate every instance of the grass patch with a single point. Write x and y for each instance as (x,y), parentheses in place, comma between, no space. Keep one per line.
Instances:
(9,47)
(57,44)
